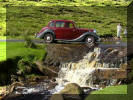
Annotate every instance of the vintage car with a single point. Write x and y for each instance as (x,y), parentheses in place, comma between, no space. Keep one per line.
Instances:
(66,30)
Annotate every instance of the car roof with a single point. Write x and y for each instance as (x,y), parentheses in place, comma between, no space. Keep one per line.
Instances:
(63,20)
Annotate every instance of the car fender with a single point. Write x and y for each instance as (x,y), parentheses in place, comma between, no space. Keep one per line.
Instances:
(92,34)
(41,35)
(84,35)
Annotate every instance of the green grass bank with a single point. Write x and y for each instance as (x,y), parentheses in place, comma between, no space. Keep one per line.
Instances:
(109,93)
(19,58)
(120,89)
(2,51)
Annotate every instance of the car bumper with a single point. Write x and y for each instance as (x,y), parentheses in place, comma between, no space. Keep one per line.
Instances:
(37,35)
(99,39)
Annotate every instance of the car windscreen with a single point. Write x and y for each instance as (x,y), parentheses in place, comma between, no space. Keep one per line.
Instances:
(51,24)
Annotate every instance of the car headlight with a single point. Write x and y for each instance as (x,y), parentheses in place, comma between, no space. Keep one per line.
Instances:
(94,31)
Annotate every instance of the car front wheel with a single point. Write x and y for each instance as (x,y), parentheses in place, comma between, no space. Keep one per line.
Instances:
(90,40)
(48,38)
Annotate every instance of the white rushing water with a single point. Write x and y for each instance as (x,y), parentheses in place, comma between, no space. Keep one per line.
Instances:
(81,72)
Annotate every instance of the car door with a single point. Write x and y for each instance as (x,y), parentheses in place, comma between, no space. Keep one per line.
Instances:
(59,29)
(70,31)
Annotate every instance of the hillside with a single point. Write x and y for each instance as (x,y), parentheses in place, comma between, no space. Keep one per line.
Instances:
(68,2)
(102,15)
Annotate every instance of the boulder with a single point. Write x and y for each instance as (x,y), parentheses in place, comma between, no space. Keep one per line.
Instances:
(13,86)
(48,71)
(72,88)
(71,91)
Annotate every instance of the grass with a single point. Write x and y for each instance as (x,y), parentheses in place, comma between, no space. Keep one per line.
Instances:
(121,89)
(32,16)
(19,49)
(2,51)
(3,37)
(13,49)
(104,96)
(103,19)
(70,2)
(2,20)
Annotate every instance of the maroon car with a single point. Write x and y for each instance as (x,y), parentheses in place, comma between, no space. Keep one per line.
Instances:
(66,30)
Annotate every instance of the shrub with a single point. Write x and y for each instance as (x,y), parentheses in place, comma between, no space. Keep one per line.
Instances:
(28,41)
(26,65)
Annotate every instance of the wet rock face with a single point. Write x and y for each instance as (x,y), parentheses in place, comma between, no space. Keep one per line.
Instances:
(61,53)
(108,76)
(113,57)
(100,63)
(49,71)
(115,73)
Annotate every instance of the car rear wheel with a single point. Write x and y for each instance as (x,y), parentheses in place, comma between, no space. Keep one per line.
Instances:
(48,38)
(90,40)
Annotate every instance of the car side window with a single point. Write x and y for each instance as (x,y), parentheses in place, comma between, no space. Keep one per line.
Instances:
(51,24)
(60,24)
(69,25)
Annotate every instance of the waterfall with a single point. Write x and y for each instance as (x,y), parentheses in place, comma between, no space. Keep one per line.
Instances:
(82,71)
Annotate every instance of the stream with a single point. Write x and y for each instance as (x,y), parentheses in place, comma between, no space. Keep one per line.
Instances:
(87,73)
